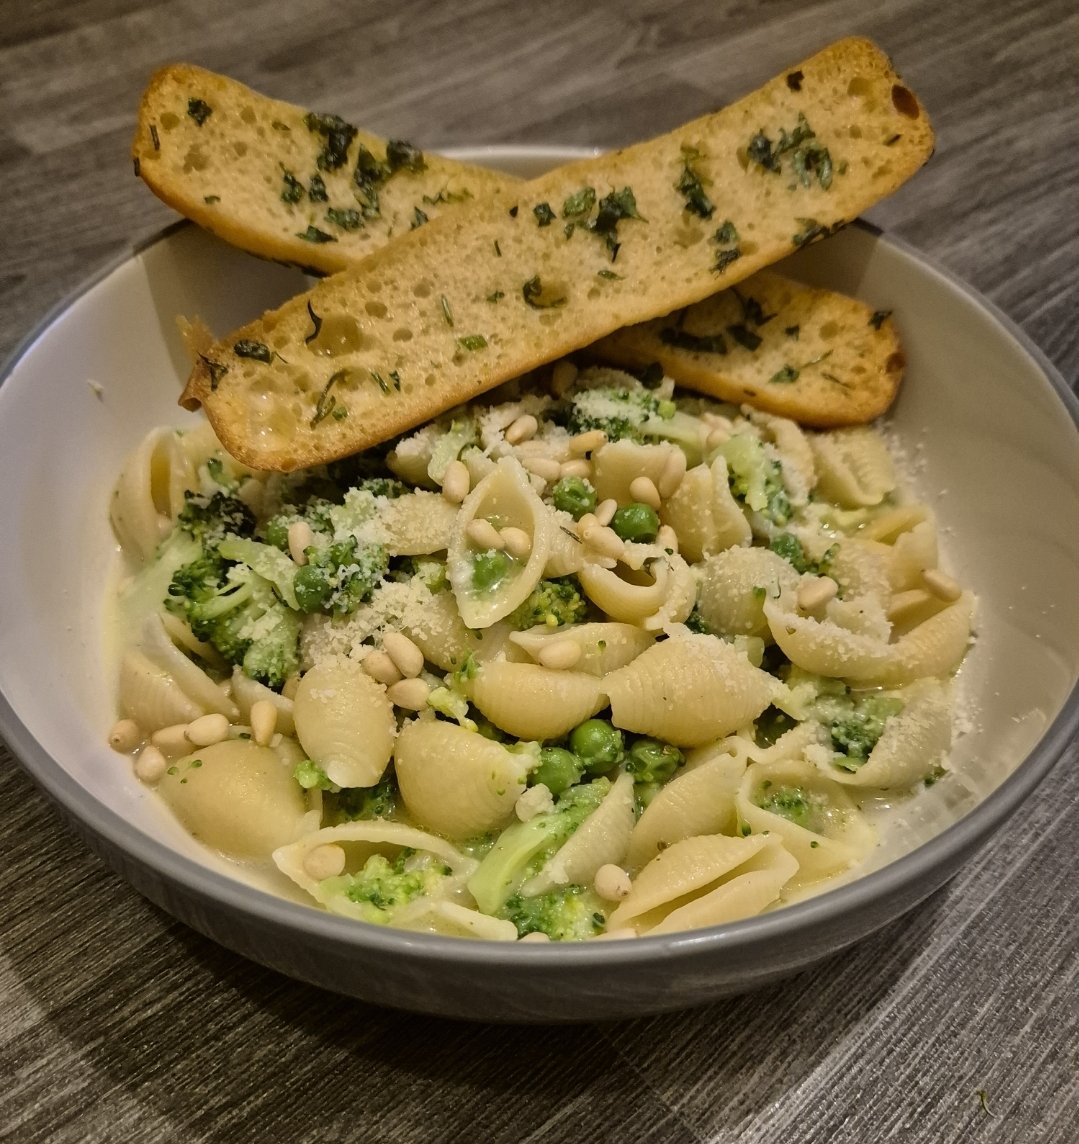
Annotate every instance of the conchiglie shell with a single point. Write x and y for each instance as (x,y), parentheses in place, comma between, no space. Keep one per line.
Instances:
(686,868)
(533,702)
(795,452)
(703,514)
(935,647)
(566,555)
(912,553)
(661,592)
(845,838)
(862,568)
(743,895)
(150,695)
(506,498)
(616,465)
(600,840)
(196,684)
(247,692)
(697,801)
(360,840)
(450,919)
(439,632)
(455,781)
(729,597)
(149,493)
(344,722)
(417,523)
(912,743)
(236,797)
(823,646)
(854,467)
(688,690)
(604,646)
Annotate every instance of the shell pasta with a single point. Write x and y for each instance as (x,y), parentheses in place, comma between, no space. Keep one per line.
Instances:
(590,659)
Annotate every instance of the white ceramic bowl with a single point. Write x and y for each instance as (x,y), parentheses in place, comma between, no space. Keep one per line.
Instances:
(990,423)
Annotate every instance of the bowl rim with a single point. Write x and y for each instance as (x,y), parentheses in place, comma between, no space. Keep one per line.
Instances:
(261,906)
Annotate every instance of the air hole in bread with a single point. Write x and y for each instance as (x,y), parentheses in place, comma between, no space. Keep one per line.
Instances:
(196,159)
(168,121)
(430,380)
(859,86)
(854,131)
(240,147)
(402,335)
(374,285)
(339,333)
(594,293)
(749,247)
(247,114)
(829,330)
(895,362)
(882,171)
(904,102)
(376,309)
(422,289)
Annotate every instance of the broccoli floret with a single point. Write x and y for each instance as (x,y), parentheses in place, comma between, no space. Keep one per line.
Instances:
(787,545)
(619,410)
(521,849)
(551,602)
(854,735)
(382,887)
(211,518)
(312,777)
(340,577)
(429,571)
(383,487)
(570,913)
(755,478)
(796,804)
(363,803)
(238,611)
(316,513)
(653,761)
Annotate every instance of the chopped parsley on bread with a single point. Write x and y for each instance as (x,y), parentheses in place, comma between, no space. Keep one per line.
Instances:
(531,271)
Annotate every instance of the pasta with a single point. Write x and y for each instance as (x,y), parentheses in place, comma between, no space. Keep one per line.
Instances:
(591,658)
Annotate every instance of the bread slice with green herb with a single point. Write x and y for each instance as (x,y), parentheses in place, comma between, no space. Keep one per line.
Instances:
(533,271)
(285,183)
(813,355)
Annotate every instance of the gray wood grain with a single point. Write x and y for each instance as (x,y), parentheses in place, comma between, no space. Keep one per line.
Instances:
(118,1024)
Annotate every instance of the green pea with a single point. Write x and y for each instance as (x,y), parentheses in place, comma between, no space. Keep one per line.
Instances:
(575,496)
(652,761)
(636,522)
(489,569)
(312,587)
(559,769)
(597,744)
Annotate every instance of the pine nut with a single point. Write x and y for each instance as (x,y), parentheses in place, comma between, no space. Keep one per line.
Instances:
(522,429)
(544,467)
(483,534)
(406,656)
(943,586)
(207,730)
(605,511)
(589,442)
(325,861)
(716,420)
(456,482)
(263,720)
(605,541)
(559,654)
(674,469)
(172,740)
(381,668)
(518,543)
(125,736)
(536,937)
(816,593)
(410,694)
(300,537)
(716,437)
(587,522)
(578,468)
(289,690)
(667,538)
(612,882)
(151,765)
(563,376)
(644,491)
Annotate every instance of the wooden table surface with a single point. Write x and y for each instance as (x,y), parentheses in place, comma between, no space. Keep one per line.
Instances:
(961,1022)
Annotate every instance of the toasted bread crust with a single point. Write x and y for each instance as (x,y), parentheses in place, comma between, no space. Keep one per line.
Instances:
(231,160)
(488,291)
(813,355)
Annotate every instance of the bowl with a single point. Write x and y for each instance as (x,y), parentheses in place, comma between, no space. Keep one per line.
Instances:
(989,423)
